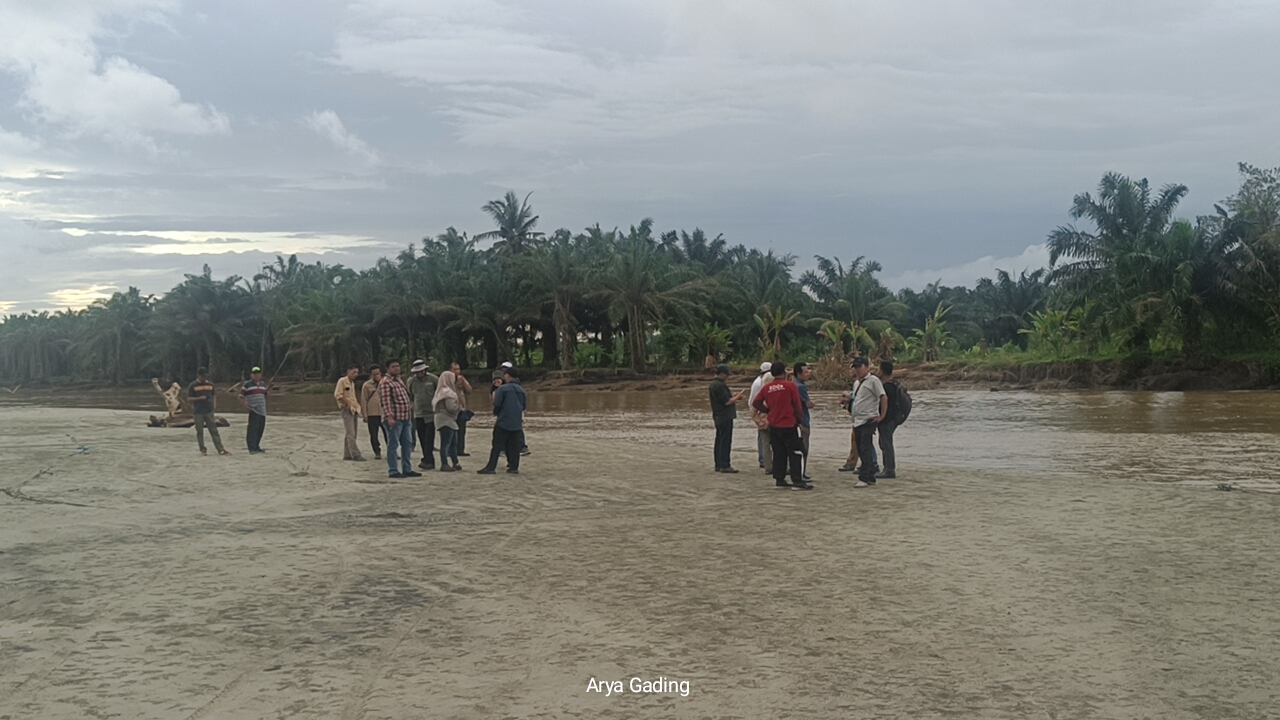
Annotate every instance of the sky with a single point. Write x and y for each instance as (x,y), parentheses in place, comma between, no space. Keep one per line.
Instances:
(143,139)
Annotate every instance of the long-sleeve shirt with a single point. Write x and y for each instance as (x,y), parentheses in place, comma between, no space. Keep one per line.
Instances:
(395,399)
(805,418)
(781,400)
(344,392)
(509,403)
(370,400)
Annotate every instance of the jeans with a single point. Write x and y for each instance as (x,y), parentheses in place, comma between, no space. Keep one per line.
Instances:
(375,422)
(507,441)
(886,446)
(448,446)
(253,433)
(350,431)
(805,432)
(203,421)
(399,444)
(788,452)
(865,435)
(426,440)
(724,443)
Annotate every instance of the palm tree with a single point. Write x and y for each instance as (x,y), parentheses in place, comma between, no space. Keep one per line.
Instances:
(556,272)
(853,296)
(515,221)
(641,286)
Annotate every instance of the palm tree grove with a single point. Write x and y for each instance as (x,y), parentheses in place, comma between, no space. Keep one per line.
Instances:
(1129,278)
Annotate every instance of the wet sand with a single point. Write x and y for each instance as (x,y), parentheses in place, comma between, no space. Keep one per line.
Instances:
(140,580)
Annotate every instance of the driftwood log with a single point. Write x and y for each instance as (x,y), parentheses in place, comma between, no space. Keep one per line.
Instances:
(179,413)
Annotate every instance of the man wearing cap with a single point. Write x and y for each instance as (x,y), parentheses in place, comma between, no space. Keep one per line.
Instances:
(781,399)
(422,387)
(723,412)
(253,396)
(498,377)
(204,401)
(344,392)
(509,404)
(870,404)
(764,450)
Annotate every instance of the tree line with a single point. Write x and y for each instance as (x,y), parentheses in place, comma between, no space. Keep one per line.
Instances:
(1134,280)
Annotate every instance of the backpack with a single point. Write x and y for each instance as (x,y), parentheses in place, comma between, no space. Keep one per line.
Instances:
(903,409)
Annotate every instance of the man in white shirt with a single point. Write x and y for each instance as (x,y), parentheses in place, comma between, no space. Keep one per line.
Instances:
(870,403)
(764,450)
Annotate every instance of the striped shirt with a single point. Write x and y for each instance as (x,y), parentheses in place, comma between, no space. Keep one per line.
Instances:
(255,394)
(396,404)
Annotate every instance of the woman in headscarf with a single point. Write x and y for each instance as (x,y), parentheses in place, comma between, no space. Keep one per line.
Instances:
(447,405)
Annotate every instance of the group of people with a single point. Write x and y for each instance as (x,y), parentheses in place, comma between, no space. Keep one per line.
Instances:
(394,411)
(782,412)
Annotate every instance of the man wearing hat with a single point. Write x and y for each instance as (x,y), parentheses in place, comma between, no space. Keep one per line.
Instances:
(764,448)
(422,388)
(253,396)
(723,412)
(870,404)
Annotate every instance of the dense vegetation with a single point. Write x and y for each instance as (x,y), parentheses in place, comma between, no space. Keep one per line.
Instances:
(1138,281)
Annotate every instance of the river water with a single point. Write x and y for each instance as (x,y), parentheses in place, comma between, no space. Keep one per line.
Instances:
(1204,438)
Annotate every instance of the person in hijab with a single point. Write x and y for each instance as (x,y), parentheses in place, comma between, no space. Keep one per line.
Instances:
(447,404)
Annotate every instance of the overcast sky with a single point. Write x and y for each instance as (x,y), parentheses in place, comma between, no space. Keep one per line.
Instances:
(141,139)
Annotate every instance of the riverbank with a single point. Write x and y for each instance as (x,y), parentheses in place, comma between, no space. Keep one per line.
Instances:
(142,580)
(1155,374)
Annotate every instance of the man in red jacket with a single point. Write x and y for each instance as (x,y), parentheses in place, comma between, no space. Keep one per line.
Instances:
(781,399)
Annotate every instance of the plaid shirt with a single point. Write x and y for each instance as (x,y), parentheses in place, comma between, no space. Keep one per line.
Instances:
(395,399)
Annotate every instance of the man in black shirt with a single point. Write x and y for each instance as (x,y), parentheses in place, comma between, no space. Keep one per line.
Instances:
(203,399)
(723,412)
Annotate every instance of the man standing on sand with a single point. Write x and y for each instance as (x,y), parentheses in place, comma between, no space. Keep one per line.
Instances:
(524,446)
(803,373)
(464,392)
(781,400)
(253,396)
(509,403)
(204,400)
(349,404)
(764,450)
(371,407)
(723,411)
(870,402)
(422,387)
(887,426)
(397,421)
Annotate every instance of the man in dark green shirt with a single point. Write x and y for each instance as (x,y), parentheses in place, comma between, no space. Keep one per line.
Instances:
(723,412)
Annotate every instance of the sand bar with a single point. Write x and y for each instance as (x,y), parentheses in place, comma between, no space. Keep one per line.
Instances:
(139,580)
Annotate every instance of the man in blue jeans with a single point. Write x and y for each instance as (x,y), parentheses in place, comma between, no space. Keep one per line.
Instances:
(397,421)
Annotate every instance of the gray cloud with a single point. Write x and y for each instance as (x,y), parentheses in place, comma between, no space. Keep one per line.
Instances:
(940,138)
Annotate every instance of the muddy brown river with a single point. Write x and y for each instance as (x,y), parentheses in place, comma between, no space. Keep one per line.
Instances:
(1197,438)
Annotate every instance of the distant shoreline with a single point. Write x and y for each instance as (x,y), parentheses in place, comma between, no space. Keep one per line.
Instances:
(1162,375)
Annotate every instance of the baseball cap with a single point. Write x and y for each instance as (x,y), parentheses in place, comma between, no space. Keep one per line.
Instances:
(766,366)
(859,361)
(418,366)
(506,365)
(256,369)
(723,369)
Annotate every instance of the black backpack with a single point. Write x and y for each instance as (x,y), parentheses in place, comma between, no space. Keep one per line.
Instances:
(902,404)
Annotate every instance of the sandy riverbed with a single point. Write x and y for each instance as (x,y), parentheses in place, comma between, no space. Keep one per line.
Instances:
(140,580)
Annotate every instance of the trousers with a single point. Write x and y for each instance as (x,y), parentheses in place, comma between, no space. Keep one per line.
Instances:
(399,446)
(207,421)
(885,432)
(788,453)
(507,441)
(426,440)
(724,443)
(257,423)
(865,434)
(375,424)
